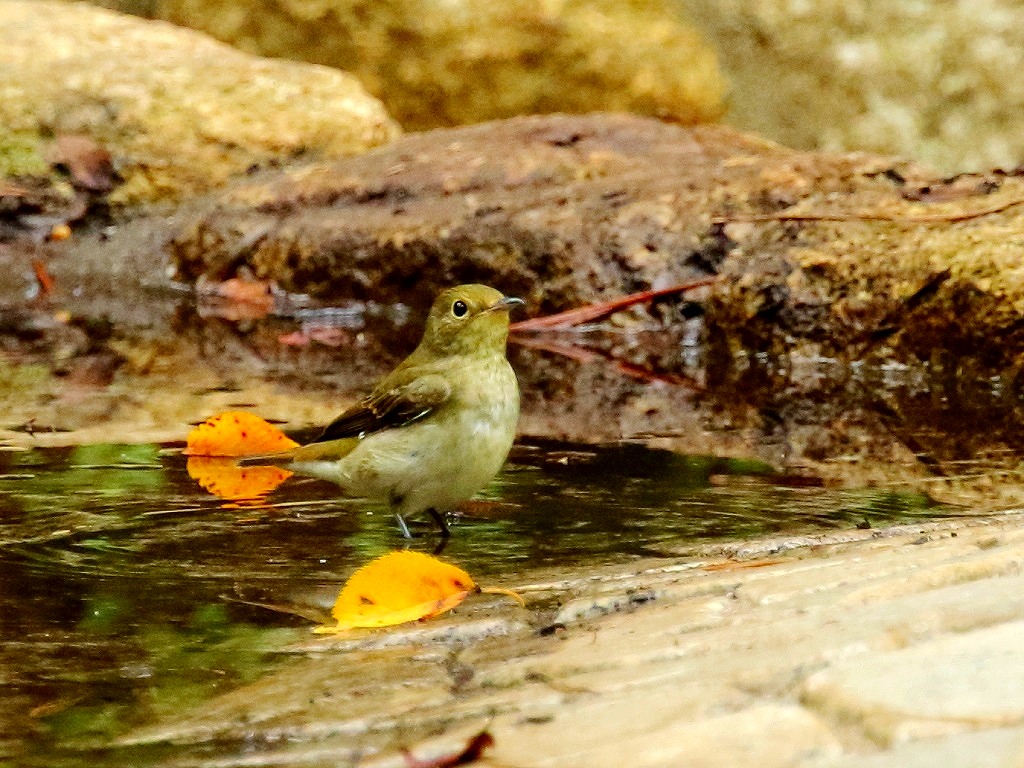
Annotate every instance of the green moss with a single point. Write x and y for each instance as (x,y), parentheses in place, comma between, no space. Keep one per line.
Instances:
(21,154)
(22,379)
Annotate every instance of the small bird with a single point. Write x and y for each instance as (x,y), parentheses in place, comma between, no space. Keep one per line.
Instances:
(436,429)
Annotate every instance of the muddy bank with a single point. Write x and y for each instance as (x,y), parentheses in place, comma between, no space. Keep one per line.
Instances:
(864,313)
(566,210)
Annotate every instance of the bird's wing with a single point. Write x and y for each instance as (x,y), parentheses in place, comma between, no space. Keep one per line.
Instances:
(392,404)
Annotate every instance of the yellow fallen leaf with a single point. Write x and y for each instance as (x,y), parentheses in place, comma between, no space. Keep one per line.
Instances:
(399,587)
(236,433)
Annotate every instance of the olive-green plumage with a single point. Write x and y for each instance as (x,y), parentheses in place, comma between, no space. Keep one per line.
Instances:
(437,428)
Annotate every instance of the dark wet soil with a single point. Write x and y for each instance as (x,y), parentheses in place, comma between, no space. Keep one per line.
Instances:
(861,308)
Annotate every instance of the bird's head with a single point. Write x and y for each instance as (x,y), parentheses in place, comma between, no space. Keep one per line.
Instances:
(468,319)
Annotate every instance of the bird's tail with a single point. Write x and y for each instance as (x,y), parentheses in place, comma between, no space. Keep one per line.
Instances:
(279,459)
(330,450)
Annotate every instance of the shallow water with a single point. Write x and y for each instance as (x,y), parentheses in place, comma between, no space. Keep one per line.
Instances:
(123,581)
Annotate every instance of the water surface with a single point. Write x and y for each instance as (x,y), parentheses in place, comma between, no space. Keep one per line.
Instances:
(127,589)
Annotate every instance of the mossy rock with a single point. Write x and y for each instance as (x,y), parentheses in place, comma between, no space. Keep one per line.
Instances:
(180,113)
(442,64)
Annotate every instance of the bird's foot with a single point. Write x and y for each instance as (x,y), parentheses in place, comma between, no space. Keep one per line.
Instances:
(402,526)
(441,523)
(438,518)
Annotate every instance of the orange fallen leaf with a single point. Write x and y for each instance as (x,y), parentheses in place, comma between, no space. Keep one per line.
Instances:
(59,232)
(236,433)
(236,298)
(222,477)
(327,335)
(400,587)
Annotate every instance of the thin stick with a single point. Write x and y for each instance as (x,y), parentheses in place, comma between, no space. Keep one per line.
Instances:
(602,309)
(507,592)
(583,354)
(871,215)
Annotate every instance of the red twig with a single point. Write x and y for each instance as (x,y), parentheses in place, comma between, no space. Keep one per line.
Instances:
(572,351)
(43,278)
(586,355)
(472,752)
(602,309)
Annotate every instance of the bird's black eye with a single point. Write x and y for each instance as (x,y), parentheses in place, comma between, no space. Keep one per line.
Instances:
(459,308)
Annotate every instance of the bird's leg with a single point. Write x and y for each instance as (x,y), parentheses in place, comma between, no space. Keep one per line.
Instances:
(402,526)
(441,522)
(395,502)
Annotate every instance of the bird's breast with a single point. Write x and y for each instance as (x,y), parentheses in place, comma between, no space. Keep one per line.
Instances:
(445,457)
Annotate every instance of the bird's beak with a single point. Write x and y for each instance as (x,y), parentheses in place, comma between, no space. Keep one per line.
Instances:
(506,303)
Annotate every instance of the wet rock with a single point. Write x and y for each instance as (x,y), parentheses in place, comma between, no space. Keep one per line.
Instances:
(817,657)
(925,80)
(453,63)
(179,120)
(563,210)
(964,682)
(998,746)
(829,255)
(669,735)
